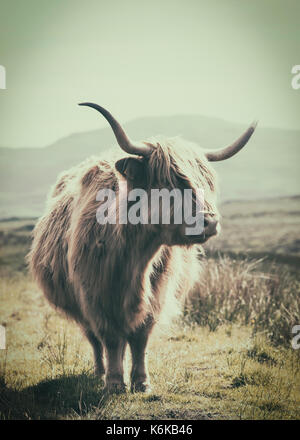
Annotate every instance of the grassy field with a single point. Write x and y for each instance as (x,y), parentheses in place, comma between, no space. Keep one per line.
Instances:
(228,357)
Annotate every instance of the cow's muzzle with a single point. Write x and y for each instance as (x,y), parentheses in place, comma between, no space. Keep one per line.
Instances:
(210,226)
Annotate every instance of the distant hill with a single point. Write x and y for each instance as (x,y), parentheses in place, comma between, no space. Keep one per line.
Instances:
(268,167)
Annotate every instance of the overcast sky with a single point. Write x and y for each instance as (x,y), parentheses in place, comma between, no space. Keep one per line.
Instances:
(226,58)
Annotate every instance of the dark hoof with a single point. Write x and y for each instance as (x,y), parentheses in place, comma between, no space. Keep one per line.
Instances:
(141,387)
(115,388)
(99,372)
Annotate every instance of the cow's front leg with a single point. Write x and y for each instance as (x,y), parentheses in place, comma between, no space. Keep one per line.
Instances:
(115,349)
(138,340)
(98,352)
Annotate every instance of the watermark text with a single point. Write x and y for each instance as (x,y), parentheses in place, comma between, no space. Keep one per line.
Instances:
(2,77)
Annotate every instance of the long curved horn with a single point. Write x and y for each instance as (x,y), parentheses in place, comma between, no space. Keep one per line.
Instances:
(123,140)
(226,153)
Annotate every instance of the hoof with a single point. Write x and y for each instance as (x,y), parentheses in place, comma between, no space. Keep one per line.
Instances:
(115,388)
(141,387)
(99,372)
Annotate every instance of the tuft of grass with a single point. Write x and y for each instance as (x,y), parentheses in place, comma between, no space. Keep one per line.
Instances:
(238,291)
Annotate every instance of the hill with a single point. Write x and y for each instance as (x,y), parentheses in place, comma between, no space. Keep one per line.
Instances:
(268,167)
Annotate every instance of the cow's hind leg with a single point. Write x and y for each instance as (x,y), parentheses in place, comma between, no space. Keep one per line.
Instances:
(115,350)
(98,352)
(138,340)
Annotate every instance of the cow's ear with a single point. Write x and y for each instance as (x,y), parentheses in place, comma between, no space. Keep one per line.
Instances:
(132,169)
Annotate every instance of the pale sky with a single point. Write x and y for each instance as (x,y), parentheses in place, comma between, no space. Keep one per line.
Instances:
(226,58)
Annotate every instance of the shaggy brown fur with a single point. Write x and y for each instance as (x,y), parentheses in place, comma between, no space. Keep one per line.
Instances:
(115,281)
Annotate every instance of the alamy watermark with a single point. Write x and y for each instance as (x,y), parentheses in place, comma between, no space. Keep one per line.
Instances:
(160,206)
(2,77)
(2,338)
(296,79)
(296,338)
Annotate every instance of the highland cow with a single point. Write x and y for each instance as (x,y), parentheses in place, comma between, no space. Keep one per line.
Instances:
(117,280)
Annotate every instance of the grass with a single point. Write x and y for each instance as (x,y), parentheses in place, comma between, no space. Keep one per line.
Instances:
(232,372)
(242,291)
